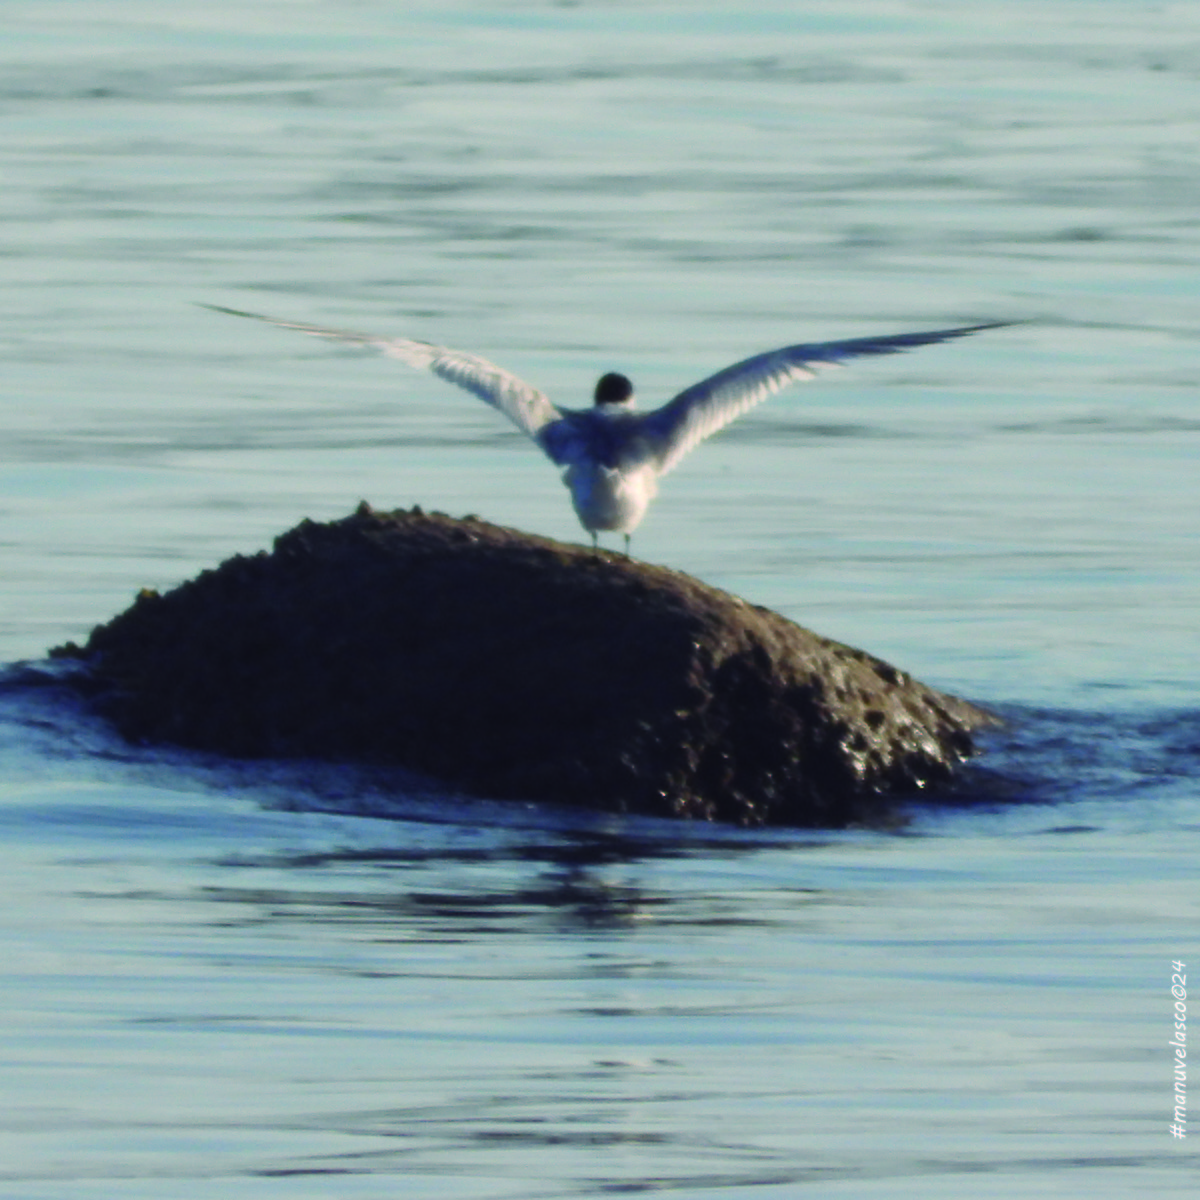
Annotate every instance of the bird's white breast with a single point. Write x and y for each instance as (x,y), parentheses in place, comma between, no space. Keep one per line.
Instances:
(612,499)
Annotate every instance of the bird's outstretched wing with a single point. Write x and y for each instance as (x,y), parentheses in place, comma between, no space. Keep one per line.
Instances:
(699,411)
(524,405)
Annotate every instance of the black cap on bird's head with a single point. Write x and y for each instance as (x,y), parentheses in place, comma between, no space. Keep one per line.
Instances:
(613,389)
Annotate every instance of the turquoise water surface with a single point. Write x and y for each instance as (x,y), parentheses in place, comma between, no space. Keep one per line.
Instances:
(298,980)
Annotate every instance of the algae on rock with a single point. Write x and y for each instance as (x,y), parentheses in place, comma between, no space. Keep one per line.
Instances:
(512,666)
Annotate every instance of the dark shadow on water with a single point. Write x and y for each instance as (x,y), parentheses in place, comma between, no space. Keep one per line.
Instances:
(580,902)
(1048,756)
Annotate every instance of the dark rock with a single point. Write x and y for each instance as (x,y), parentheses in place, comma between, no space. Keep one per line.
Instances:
(514,666)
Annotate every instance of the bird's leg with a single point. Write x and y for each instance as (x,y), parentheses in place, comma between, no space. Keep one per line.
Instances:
(627,545)
(595,542)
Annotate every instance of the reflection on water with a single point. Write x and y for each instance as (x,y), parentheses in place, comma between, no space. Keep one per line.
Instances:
(508,1000)
(348,997)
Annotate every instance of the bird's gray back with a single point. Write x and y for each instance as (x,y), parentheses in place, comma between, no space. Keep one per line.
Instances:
(612,440)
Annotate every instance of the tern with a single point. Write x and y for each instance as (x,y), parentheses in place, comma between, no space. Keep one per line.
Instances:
(612,454)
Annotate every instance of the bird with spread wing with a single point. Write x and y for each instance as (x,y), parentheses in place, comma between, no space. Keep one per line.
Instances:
(612,454)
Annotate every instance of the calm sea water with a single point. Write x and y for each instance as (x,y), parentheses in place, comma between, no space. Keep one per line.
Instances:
(292,980)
